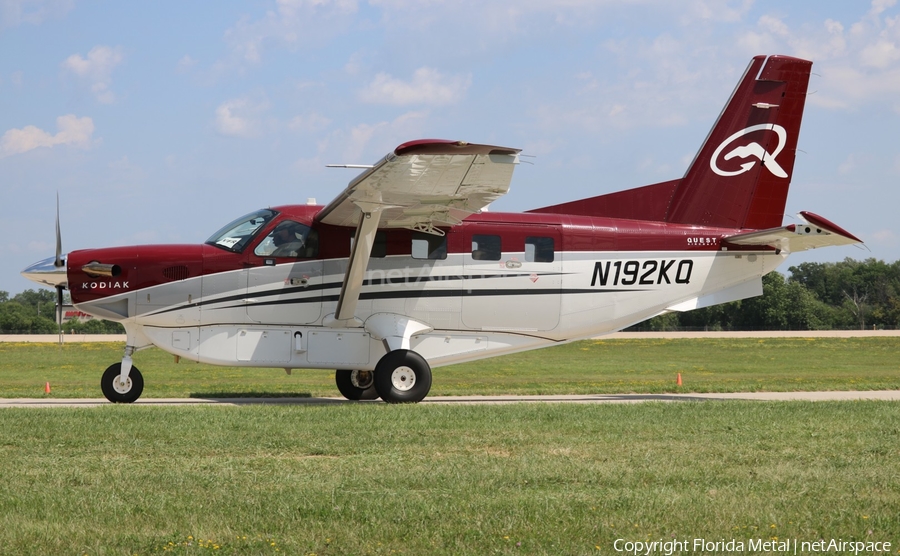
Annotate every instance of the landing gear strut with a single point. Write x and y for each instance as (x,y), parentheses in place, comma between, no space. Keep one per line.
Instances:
(356,385)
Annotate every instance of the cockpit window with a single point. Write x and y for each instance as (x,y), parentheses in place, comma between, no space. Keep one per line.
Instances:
(289,239)
(236,235)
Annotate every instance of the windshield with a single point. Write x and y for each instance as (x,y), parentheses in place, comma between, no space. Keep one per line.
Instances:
(236,235)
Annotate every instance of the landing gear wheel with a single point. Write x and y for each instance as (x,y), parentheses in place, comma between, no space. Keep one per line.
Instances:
(402,376)
(356,385)
(115,391)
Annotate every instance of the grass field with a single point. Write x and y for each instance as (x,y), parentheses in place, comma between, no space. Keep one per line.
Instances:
(521,479)
(378,479)
(595,366)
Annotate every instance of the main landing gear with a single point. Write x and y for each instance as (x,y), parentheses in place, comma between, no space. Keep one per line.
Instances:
(401,376)
(356,385)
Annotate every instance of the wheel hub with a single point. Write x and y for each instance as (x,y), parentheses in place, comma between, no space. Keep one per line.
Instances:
(121,387)
(362,379)
(403,378)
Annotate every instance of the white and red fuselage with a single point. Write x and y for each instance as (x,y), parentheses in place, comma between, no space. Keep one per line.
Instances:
(598,275)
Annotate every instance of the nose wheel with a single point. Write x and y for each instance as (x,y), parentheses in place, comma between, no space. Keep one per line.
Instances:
(118,391)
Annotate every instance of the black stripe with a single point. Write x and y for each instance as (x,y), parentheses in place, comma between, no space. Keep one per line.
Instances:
(429,294)
(337,285)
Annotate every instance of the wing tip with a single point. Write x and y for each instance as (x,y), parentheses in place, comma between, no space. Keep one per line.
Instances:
(823,222)
(444,146)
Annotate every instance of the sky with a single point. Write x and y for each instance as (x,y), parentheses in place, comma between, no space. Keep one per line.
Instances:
(159,122)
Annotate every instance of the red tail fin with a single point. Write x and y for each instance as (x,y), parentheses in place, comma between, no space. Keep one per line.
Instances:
(740,177)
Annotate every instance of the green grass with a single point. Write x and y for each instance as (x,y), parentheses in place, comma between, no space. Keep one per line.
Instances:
(596,366)
(378,479)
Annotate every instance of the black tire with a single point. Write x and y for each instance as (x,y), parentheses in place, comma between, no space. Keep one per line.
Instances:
(356,385)
(134,388)
(402,376)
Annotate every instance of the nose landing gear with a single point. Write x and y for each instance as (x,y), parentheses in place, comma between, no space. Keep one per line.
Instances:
(118,391)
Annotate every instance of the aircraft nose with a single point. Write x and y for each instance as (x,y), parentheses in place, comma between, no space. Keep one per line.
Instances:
(46,272)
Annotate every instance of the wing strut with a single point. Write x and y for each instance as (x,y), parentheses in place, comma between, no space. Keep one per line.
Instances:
(421,185)
(345,314)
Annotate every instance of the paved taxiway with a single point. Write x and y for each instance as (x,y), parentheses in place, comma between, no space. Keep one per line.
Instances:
(890,395)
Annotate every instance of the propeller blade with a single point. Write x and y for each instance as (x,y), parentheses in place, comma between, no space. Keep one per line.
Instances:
(58,262)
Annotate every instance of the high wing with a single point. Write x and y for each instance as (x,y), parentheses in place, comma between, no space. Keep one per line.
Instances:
(421,185)
(424,184)
(816,232)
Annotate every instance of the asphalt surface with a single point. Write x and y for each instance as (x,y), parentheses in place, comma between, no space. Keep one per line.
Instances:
(889,395)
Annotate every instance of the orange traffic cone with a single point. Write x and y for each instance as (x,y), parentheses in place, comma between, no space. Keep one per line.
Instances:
(678,380)
(47,388)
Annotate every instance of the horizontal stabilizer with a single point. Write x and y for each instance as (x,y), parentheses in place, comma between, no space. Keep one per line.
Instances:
(815,232)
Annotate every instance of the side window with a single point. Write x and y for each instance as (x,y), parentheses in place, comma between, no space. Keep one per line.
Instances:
(289,239)
(379,249)
(428,246)
(486,248)
(539,249)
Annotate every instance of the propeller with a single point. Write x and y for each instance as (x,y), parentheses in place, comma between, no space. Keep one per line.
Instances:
(59,263)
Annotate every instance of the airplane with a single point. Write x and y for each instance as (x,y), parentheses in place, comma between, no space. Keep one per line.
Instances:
(405,270)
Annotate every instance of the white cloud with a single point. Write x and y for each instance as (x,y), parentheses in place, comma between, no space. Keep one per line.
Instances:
(885,236)
(97,69)
(73,131)
(292,23)
(880,54)
(240,117)
(719,10)
(879,6)
(309,123)
(15,12)
(185,64)
(852,163)
(358,147)
(427,86)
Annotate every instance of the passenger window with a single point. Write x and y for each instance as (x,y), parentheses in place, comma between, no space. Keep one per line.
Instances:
(428,246)
(379,249)
(539,249)
(486,248)
(289,239)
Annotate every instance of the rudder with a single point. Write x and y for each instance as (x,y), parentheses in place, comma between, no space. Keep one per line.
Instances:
(741,174)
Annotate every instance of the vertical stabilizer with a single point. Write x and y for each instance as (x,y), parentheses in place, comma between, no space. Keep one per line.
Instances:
(740,176)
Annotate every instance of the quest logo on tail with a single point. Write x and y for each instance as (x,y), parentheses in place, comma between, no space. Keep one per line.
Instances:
(752,149)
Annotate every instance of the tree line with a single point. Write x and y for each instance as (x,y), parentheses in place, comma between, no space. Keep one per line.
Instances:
(34,312)
(846,295)
(849,294)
